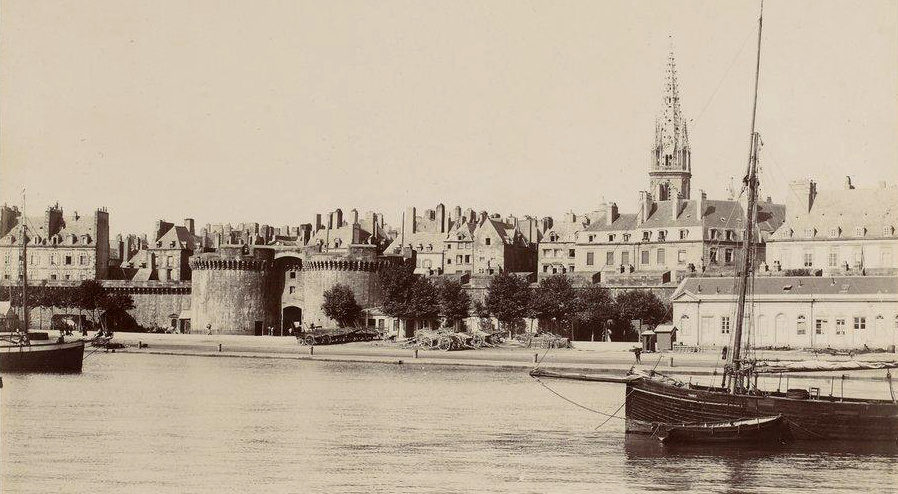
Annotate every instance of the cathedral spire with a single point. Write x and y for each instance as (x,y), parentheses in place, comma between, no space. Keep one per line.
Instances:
(671,165)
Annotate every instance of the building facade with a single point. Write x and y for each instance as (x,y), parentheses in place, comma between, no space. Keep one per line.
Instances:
(60,246)
(848,312)
(848,231)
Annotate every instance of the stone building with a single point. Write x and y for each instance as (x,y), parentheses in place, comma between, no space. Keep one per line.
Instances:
(671,234)
(60,246)
(467,242)
(798,312)
(164,257)
(848,231)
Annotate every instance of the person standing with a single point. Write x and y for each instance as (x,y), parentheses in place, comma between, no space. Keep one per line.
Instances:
(637,352)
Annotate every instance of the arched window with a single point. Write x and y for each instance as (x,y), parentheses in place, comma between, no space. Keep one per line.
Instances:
(780,325)
(684,324)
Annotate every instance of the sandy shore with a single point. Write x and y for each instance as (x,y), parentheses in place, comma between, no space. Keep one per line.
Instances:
(590,357)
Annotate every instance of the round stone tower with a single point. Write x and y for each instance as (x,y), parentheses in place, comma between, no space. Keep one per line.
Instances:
(233,291)
(358,269)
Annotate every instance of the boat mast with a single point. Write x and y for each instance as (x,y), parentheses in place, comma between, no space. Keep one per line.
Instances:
(751,182)
(25,314)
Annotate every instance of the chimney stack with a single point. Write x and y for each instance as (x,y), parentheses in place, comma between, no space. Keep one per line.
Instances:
(700,205)
(848,185)
(189,225)
(611,213)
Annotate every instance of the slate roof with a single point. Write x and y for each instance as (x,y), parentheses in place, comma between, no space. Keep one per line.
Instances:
(848,209)
(795,285)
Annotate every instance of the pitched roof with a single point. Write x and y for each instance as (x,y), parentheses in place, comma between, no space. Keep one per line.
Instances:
(845,210)
(795,285)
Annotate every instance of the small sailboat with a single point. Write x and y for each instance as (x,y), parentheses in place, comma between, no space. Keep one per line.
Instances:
(19,354)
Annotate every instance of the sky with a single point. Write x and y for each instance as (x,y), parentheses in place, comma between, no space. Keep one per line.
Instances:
(271,111)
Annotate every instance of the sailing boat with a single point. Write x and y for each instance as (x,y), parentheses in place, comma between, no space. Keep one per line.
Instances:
(737,409)
(19,354)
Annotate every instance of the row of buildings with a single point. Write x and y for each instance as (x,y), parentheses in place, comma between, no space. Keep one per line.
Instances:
(250,277)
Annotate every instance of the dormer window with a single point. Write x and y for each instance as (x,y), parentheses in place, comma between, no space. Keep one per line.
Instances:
(712,233)
(626,237)
(835,232)
(684,234)
(592,238)
(887,231)
(646,236)
(611,237)
(172,245)
(860,231)
(810,233)
(662,235)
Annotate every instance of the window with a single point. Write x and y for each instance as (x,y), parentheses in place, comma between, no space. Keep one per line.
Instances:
(724,324)
(448,260)
(547,252)
(808,259)
(570,252)
(626,237)
(858,258)
(712,255)
(5,258)
(712,233)
(625,258)
(448,246)
(860,323)
(887,231)
(68,260)
(570,268)
(833,258)
(728,256)
(661,256)
(467,259)
(459,259)
(809,232)
(681,256)
(835,232)
(860,231)
(557,253)
(801,325)
(53,259)
(840,326)
(646,236)
(589,259)
(611,238)
(645,257)
(684,234)
(545,268)
(52,276)
(292,289)
(662,235)
(83,260)
(885,258)
(609,258)
(292,275)
(488,240)
(592,238)
(820,326)
(169,261)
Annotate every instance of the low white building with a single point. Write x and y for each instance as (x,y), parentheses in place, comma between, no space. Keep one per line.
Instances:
(798,312)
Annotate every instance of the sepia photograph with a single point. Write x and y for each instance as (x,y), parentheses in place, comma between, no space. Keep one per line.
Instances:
(429,246)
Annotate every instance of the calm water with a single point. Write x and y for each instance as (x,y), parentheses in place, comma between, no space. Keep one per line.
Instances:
(150,423)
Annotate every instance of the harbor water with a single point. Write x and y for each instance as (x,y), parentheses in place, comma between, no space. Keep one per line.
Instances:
(164,423)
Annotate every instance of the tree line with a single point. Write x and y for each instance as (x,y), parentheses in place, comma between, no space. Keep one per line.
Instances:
(88,298)
(559,306)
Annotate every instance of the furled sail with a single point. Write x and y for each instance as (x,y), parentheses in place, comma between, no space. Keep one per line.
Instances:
(821,365)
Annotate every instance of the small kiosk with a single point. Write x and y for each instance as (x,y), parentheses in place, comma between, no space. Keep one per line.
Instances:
(666,336)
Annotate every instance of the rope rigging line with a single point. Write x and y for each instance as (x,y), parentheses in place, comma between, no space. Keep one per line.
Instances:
(572,402)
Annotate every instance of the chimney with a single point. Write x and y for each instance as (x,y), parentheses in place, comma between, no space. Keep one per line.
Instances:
(188,224)
(570,217)
(700,205)
(674,207)
(157,230)
(441,218)
(318,225)
(483,217)
(410,220)
(848,185)
(353,216)
(151,260)
(338,218)
(645,207)
(801,199)
(611,213)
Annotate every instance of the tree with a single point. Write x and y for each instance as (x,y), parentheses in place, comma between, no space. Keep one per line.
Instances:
(555,303)
(596,308)
(638,304)
(507,299)
(91,295)
(396,281)
(114,304)
(340,305)
(455,304)
(424,302)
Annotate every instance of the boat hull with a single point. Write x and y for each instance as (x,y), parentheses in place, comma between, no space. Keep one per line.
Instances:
(42,357)
(650,402)
(761,429)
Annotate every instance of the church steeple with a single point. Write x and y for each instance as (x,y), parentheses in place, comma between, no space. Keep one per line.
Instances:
(671,167)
